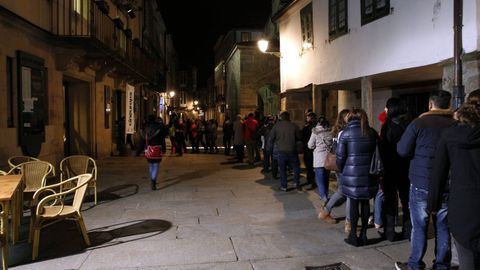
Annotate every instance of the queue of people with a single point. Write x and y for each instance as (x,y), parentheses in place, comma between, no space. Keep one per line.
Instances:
(430,165)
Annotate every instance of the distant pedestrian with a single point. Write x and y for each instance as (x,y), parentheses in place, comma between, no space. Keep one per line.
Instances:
(418,143)
(265,137)
(212,136)
(250,128)
(238,142)
(227,135)
(152,133)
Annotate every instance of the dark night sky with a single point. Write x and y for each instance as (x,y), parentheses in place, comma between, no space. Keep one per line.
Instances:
(196,25)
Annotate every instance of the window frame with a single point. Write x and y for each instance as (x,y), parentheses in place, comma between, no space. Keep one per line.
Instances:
(376,14)
(306,24)
(337,32)
(245,36)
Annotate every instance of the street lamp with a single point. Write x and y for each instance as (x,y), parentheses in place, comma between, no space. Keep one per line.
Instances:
(171,94)
(195,102)
(263,45)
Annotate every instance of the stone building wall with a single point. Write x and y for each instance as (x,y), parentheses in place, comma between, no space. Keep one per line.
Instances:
(471,74)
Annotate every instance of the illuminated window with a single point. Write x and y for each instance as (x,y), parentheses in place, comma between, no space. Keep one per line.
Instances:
(246,36)
(306,18)
(337,18)
(374,9)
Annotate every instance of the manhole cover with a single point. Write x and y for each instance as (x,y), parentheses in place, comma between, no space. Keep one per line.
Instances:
(335,266)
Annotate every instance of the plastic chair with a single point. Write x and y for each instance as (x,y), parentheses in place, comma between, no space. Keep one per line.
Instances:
(50,206)
(79,164)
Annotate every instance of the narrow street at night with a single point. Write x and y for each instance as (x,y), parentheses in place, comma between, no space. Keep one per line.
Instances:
(206,214)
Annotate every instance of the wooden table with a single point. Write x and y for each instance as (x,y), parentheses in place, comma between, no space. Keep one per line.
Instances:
(10,191)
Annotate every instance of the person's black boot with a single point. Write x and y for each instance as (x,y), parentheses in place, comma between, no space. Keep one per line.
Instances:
(352,239)
(363,241)
(153,185)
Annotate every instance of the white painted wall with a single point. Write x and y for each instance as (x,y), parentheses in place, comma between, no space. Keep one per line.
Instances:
(416,33)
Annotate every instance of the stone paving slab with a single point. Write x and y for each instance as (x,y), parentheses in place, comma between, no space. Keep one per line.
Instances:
(68,262)
(210,266)
(169,252)
(361,259)
(288,245)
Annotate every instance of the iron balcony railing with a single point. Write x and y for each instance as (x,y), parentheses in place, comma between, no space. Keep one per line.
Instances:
(83,19)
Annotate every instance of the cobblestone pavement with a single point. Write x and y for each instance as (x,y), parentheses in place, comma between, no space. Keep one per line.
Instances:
(208,213)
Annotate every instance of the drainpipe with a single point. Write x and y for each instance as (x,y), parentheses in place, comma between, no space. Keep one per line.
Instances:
(458,88)
(314,107)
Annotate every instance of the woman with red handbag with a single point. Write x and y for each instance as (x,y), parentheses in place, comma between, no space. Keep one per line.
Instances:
(152,138)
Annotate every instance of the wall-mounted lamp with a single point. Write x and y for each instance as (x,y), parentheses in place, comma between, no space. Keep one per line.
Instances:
(263,47)
(306,46)
(195,102)
(171,94)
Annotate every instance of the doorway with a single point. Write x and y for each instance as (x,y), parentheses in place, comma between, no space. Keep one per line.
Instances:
(78,125)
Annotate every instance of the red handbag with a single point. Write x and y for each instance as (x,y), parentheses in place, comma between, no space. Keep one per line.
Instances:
(152,151)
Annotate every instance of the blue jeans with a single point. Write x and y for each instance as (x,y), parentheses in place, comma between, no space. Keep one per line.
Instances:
(322,179)
(377,212)
(267,157)
(153,169)
(290,158)
(338,199)
(420,219)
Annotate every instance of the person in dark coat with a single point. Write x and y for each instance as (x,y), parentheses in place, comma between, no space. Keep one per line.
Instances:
(418,143)
(153,133)
(284,135)
(395,178)
(354,154)
(458,155)
(310,123)
(227,135)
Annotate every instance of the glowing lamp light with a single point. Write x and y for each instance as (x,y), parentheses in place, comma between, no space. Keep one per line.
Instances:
(262,45)
(307,45)
(171,94)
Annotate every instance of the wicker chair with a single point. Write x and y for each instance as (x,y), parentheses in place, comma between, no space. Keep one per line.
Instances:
(79,164)
(34,174)
(14,161)
(3,242)
(50,206)
(17,160)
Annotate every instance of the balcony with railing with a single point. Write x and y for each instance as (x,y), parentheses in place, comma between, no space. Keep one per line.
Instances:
(83,24)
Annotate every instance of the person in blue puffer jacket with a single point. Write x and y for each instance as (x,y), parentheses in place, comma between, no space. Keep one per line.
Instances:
(418,144)
(354,154)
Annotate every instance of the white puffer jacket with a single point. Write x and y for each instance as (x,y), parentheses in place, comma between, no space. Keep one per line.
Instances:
(320,141)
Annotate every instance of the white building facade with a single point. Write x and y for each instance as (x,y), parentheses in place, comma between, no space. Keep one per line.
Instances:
(372,49)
